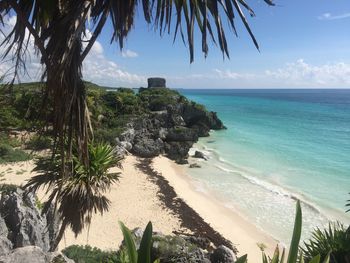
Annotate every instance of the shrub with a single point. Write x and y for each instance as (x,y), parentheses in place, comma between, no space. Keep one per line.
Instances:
(6,139)
(335,239)
(107,135)
(88,254)
(38,142)
(8,154)
(7,188)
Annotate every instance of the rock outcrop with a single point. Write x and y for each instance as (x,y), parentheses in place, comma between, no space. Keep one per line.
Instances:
(170,131)
(223,254)
(22,224)
(186,249)
(33,254)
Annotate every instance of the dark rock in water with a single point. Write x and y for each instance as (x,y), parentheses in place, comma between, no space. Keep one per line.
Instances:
(182,161)
(177,150)
(198,154)
(195,165)
(156,83)
(223,254)
(148,148)
(25,225)
(33,254)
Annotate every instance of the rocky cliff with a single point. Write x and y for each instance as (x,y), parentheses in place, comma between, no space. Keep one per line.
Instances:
(171,127)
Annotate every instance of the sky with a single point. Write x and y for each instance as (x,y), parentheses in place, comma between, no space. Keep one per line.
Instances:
(303,44)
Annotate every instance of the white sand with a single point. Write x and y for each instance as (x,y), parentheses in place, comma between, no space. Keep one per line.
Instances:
(134,201)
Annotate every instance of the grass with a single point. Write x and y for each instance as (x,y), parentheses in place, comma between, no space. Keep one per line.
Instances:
(8,154)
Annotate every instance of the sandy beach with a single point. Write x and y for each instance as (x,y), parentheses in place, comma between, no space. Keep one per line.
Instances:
(137,199)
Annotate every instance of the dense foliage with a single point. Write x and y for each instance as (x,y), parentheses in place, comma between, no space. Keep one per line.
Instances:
(335,239)
(88,254)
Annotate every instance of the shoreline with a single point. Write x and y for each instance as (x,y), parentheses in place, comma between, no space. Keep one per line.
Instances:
(244,235)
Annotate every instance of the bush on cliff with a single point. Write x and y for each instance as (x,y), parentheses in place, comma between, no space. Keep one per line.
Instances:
(88,254)
(157,99)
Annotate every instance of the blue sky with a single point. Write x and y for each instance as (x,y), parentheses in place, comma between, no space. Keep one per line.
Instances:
(303,44)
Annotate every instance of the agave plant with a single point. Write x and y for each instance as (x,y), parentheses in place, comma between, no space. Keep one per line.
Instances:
(143,254)
(81,193)
(335,239)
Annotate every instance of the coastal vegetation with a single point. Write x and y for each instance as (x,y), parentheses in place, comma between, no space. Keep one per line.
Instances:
(62,45)
(81,194)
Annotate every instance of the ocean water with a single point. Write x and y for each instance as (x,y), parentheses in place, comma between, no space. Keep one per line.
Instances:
(279,146)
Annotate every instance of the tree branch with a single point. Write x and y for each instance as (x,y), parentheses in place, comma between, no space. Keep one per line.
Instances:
(38,42)
(95,34)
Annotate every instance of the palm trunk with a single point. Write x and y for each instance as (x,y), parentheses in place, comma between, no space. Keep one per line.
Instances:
(54,243)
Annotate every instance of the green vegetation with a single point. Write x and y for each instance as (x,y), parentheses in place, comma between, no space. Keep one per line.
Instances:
(81,193)
(39,142)
(157,99)
(334,240)
(7,151)
(7,188)
(9,154)
(143,254)
(88,254)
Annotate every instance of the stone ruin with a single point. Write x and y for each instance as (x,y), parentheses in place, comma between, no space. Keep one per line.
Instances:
(156,83)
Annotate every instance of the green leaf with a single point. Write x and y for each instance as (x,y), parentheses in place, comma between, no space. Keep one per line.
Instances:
(264,258)
(276,255)
(242,259)
(145,245)
(282,256)
(129,242)
(316,259)
(326,260)
(294,246)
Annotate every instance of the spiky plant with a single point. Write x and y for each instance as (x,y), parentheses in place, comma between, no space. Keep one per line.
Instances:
(81,193)
(335,238)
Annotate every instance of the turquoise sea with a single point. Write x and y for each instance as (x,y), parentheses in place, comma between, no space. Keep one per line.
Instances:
(279,146)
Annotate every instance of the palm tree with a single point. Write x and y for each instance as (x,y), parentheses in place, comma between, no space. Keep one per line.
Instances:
(80,194)
(59,30)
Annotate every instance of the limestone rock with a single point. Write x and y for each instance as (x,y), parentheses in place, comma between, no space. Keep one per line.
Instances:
(223,254)
(148,148)
(26,226)
(33,254)
(5,243)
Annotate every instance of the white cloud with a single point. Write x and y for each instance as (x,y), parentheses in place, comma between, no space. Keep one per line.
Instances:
(298,74)
(329,16)
(129,54)
(302,74)
(33,68)
(96,67)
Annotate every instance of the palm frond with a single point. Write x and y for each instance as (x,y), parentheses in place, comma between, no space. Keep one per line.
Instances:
(81,194)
